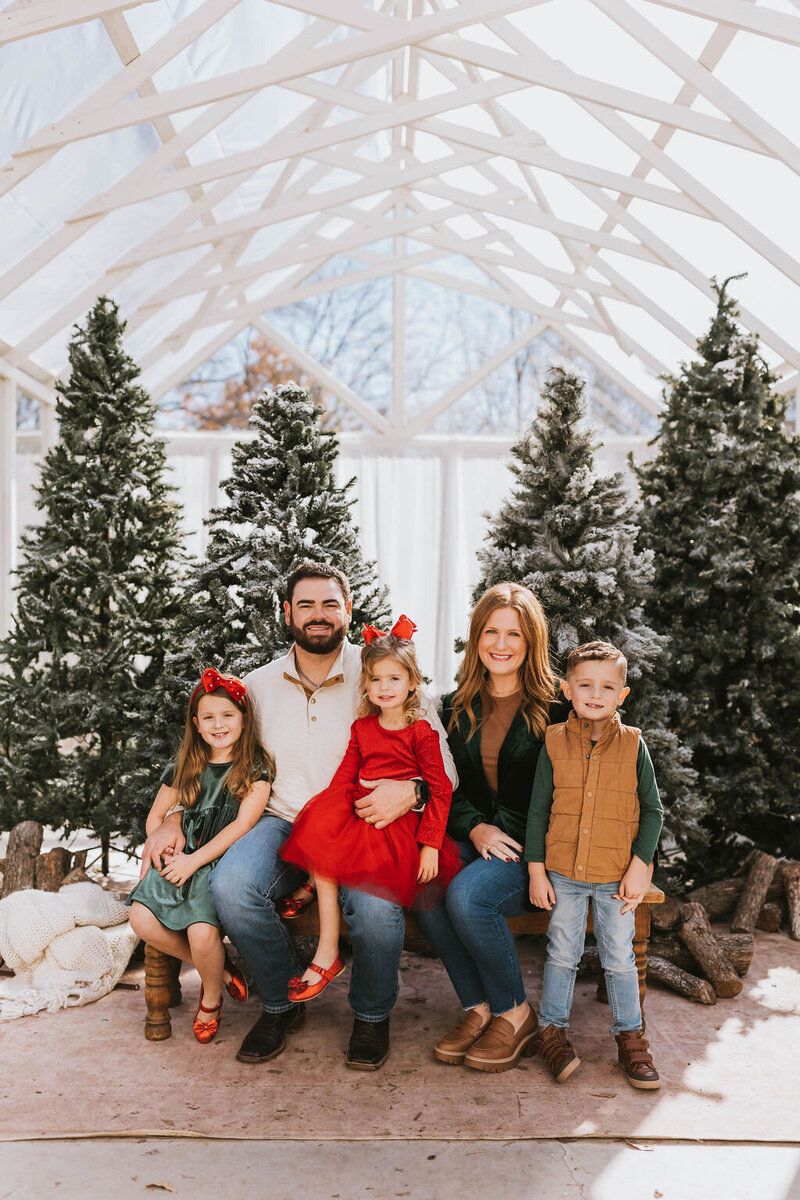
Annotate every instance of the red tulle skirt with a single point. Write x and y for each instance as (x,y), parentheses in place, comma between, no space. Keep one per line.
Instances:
(328,839)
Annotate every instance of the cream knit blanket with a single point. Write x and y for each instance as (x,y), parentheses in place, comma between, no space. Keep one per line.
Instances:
(66,948)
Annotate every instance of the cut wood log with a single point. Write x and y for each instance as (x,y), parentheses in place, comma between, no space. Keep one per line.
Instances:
(791,883)
(51,869)
(754,893)
(78,859)
(24,843)
(771,916)
(76,875)
(696,934)
(667,915)
(721,898)
(737,948)
(663,971)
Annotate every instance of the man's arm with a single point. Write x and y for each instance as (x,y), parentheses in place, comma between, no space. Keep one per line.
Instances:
(166,839)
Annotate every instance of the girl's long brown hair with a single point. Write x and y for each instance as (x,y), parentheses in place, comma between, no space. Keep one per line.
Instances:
(402,651)
(249,759)
(537,681)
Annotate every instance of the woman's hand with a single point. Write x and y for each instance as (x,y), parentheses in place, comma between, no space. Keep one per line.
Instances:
(490,841)
(428,864)
(179,869)
(540,889)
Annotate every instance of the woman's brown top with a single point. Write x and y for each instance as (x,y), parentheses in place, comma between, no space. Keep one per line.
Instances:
(500,712)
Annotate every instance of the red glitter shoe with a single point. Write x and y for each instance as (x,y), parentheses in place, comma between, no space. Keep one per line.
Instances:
(206,1031)
(291,906)
(300,990)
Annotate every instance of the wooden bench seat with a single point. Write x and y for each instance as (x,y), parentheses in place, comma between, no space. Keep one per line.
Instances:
(162,987)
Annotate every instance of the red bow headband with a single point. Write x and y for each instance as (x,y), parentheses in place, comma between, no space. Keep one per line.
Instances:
(403,627)
(211,681)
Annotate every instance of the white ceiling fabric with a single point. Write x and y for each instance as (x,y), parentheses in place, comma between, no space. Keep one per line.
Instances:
(594,161)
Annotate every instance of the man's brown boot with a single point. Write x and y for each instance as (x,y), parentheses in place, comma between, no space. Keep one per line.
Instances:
(560,1058)
(637,1061)
(455,1044)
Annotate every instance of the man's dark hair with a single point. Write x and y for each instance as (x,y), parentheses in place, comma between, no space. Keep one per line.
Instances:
(309,569)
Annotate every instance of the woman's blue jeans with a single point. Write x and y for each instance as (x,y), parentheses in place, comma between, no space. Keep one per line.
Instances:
(565,938)
(468,930)
(245,884)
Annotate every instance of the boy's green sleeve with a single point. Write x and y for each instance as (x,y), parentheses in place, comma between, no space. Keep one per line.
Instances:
(539,811)
(651,814)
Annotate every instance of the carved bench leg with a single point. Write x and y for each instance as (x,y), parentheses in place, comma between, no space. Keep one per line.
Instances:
(641,933)
(161,992)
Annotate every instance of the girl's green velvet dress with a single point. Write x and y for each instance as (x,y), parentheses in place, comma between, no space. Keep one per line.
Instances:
(179,907)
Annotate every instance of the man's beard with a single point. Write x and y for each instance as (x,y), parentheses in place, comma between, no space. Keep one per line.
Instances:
(318,644)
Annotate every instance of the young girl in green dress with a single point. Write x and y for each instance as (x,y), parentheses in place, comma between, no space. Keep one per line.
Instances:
(221,780)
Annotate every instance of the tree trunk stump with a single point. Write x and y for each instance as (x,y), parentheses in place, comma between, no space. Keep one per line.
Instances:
(24,843)
(737,948)
(754,893)
(51,869)
(696,934)
(791,883)
(666,972)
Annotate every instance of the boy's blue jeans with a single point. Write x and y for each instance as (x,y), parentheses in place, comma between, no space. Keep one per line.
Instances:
(565,938)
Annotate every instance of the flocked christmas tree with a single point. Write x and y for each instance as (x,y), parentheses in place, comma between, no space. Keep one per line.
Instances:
(722,516)
(96,588)
(284,506)
(569,534)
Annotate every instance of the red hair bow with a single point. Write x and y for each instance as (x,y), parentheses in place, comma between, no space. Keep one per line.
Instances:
(211,681)
(403,627)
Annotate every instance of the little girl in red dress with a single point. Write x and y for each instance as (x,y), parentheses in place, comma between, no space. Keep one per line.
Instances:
(410,861)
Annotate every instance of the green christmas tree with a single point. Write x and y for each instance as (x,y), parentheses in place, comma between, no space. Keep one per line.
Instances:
(97,587)
(284,506)
(569,534)
(722,517)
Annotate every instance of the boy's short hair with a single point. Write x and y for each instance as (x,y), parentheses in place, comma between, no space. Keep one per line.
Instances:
(310,569)
(597,652)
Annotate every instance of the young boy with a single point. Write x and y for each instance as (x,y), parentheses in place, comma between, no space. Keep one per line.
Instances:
(593,828)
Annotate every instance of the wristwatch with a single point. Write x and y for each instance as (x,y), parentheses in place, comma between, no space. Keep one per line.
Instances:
(422,793)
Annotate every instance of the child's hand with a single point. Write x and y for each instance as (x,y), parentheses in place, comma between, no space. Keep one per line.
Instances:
(428,864)
(179,869)
(633,885)
(540,889)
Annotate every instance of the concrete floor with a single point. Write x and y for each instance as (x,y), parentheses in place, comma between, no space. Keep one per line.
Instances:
(421,1170)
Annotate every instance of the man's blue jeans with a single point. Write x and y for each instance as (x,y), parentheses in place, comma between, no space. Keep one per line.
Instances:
(469,932)
(565,938)
(245,885)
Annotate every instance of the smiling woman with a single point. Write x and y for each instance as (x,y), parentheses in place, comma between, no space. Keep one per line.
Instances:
(496,720)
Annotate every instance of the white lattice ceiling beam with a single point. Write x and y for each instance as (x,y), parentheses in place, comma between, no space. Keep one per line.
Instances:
(27,19)
(738,15)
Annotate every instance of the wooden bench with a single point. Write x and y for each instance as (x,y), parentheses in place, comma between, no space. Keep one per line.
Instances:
(162,987)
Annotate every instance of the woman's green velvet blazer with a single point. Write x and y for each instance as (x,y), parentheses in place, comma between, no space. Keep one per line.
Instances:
(473,801)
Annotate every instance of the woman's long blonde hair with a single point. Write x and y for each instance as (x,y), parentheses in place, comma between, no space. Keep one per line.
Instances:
(402,651)
(537,681)
(249,759)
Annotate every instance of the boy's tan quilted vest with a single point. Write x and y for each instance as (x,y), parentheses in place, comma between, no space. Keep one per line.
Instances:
(595,814)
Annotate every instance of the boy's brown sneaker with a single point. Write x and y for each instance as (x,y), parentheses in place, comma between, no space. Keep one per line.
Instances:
(637,1061)
(560,1058)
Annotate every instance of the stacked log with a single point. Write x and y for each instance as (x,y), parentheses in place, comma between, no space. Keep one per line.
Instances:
(698,938)
(763,868)
(791,883)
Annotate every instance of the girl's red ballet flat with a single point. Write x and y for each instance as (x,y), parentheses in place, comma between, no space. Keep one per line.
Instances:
(300,990)
(206,1031)
(237,984)
(291,906)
